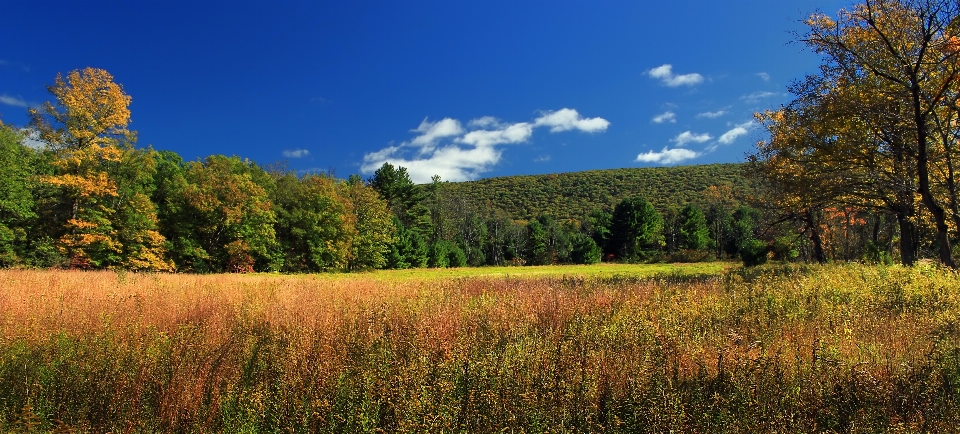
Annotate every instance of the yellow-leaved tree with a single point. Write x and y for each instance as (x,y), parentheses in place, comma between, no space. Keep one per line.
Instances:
(100,201)
(906,51)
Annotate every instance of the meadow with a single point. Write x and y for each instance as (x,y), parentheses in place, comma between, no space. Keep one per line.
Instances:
(608,348)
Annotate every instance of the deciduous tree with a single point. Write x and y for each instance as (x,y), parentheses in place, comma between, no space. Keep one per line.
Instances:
(102,183)
(911,47)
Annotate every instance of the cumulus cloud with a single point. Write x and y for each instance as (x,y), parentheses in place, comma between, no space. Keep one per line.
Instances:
(513,133)
(667,156)
(712,115)
(763,76)
(665,74)
(737,131)
(432,132)
(665,117)
(568,119)
(447,149)
(452,163)
(688,137)
(296,153)
(14,101)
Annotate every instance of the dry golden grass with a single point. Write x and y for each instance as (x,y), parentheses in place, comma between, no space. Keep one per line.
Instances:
(839,348)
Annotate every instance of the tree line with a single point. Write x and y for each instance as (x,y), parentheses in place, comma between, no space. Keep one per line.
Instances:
(89,198)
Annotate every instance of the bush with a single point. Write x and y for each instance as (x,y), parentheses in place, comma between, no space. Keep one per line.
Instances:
(585,250)
(753,252)
(456,257)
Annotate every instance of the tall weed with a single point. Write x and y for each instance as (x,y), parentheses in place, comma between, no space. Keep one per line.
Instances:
(838,348)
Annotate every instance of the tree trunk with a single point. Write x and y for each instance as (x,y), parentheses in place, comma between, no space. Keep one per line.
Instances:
(818,254)
(923,175)
(908,246)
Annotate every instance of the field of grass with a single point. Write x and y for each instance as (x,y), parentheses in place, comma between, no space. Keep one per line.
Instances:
(550,271)
(841,348)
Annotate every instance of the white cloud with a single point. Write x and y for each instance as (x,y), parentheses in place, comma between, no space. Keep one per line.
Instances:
(296,153)
(452,163)
(712,115)
(568,119)
(14,101)
(667,156)
(514,133)
(687,137)
(757,96)
(665,117)
(763,76)
(31,138)
(541,159)
(431,132)
(737,131)
(665,74)
(485,122)
(468,154)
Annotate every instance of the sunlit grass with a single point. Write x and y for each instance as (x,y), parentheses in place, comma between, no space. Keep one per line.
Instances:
(778,349)
(595,270)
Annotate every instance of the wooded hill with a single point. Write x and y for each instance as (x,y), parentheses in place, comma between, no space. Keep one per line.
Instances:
(576,194)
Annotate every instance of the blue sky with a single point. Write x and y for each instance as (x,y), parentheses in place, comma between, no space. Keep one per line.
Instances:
(464,89)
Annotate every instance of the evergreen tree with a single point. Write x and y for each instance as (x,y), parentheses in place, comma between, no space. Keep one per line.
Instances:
(635,229)
(538,252)
(692,229)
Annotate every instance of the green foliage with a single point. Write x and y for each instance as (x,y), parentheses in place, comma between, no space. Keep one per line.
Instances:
(16,195)
(314,228)
(753,252)
(374,228)
(585,250)
(538,252)
(635,229)
(693,233)
(743,228)
(577,194)
(471,235)
(403,197)
(143,247)
(456,257)
(227,217)
(598,225)
(439,254)
(409,249)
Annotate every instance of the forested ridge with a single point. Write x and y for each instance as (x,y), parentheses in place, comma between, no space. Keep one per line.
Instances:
(576,194)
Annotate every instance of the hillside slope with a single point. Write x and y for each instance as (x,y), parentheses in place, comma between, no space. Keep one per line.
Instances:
(576,194)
